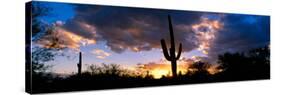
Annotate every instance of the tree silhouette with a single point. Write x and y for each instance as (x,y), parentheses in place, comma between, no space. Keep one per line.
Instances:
(39,57)
(38,10)
(260,60)
(200,72)
(106,69)
(34,25)
(250,65)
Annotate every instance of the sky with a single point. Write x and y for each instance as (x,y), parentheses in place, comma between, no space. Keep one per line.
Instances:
(131,36)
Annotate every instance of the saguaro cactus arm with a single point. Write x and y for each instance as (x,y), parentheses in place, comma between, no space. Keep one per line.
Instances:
(165,50)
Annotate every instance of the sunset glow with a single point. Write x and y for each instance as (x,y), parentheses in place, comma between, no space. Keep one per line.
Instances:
(158,73)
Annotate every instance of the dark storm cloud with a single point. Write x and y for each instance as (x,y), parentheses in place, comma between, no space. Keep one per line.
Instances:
(139,29)
(134,29)
(80,28)
(241,33)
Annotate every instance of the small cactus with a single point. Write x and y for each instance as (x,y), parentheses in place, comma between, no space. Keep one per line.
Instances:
(172,56)
(79,65)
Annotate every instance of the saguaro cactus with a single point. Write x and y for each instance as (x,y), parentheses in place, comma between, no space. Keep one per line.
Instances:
(79,65)
(171,55)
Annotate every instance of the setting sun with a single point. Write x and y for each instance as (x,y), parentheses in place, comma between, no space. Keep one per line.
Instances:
(158,73)
(165,70)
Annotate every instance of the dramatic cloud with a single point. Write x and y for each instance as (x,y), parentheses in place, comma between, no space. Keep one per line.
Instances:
(59,38)
(101,54)
(133,29)
(139,29)
(205,32)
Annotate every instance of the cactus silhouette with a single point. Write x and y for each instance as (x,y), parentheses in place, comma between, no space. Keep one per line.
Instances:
(171,55)
(79,65)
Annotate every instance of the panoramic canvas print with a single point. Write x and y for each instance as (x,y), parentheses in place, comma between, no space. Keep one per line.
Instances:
(75,47)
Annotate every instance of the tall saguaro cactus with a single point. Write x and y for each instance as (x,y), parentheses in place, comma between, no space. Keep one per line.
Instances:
(79,65)
(171,55)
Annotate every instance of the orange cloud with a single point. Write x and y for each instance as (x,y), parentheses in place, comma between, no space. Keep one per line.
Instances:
(59,38)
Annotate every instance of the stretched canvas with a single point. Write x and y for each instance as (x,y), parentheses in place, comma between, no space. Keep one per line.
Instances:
(75,47)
